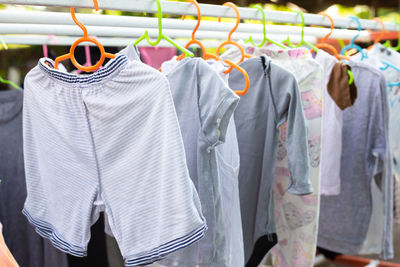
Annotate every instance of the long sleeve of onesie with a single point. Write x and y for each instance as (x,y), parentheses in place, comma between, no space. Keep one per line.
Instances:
(289,109)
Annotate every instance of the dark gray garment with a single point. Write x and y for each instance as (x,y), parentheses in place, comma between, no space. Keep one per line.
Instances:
(273,98)
(344,219)
(28,248)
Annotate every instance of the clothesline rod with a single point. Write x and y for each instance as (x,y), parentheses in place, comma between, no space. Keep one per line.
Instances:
(130,22)
(179,8)
(105,41)
(61,18)
(70,30)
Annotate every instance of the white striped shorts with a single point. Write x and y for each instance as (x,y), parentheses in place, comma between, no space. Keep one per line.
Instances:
(108,141)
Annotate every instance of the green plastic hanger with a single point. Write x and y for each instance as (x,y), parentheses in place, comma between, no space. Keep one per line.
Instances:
(351,77)
(161,35)
(9,82)
(264,32)
(302,41)
(341,43)
(387,43)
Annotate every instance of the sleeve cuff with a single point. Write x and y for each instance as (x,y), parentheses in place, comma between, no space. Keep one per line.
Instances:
(300,189)
(223,115)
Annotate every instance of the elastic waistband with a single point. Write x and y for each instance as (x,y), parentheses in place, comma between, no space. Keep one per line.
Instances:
(111,68)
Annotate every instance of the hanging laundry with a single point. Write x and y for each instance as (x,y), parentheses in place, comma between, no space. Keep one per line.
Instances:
(344,219)
(338,95)
(119,128)
(28,248)
(375,58)
(297,216)
(228,160)
(204,114)
(273,99)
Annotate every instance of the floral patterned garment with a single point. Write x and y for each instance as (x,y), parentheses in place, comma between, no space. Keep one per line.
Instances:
(297,216)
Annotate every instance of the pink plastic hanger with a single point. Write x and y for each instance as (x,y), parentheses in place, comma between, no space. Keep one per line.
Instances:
(45,49)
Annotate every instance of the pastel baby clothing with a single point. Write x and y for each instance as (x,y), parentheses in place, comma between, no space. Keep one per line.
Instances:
(297,216)
(108,141)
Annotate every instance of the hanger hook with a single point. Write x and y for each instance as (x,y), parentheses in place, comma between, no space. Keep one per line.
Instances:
(159,19)
(302,24)
(77,22)
(354,18)
(332,27)
(264,30)
(193,40)
(96,5)
(232,5)
(382,33)
(194,2)
(352,44)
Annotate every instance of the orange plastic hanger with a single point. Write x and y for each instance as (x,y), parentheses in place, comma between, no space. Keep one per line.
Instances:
(380,37)
(246,76)
(207,55)
(194,40)
(85,38)
(229,40)
(322,44)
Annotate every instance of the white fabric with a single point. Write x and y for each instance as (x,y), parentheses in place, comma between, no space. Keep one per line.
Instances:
(228,160)
(331,147)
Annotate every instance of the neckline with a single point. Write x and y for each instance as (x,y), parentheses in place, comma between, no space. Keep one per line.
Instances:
(109,70)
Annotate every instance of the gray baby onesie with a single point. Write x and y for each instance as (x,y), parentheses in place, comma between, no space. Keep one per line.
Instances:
(273,98)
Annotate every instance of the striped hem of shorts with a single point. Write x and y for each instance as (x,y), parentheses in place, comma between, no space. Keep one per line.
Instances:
(167,248)
(97,76)
(47,231)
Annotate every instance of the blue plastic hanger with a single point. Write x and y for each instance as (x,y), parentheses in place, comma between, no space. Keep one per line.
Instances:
(352,44)
(388,65)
